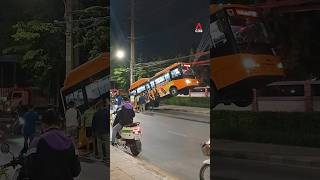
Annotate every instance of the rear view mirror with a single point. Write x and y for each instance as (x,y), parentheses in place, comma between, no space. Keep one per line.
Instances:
(5,148)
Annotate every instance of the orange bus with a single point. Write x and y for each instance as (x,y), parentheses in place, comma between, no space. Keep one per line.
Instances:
(87,83)
(241,55)
(175,79)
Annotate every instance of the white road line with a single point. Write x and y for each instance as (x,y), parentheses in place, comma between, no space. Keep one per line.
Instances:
(178,134)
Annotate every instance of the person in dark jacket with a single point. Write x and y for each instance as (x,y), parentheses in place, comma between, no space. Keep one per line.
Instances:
(29,128)
(53,155)
(124,117)
(100,128)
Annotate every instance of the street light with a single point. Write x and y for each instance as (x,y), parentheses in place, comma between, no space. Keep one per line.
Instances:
(120,54)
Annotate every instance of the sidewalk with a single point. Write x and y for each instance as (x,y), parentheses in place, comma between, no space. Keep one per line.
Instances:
(184,109)
(293,155)
(125,167)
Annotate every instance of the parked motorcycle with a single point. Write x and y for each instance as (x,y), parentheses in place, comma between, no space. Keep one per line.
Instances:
(205,169)
(16,163)
(129,137)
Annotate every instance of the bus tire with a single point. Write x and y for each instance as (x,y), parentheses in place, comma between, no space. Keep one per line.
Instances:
(242,103)
(156,104)
(244,100)
(173,91)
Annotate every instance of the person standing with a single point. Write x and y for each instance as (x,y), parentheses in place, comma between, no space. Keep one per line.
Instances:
(72,117)
(100,129)
(87,122)
(53,155)
(118,100)
(152,102)
(142,102)
(29,128)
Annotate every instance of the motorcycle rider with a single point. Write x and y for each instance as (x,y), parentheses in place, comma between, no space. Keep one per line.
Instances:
(124,117)
(53,155)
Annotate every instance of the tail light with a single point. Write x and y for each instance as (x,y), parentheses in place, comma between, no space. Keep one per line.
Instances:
(136,130)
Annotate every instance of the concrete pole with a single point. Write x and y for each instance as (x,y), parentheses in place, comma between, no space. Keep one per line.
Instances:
(69,44)
(308,96)
(132,42)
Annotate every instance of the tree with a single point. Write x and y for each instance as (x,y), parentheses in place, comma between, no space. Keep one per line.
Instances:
(121,77)
(36,42)
(92,32)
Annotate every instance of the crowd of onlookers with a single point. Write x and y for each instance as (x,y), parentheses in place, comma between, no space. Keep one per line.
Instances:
(139,102)
(89,129)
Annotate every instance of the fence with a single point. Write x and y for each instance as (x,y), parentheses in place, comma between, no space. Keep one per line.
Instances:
(308,102)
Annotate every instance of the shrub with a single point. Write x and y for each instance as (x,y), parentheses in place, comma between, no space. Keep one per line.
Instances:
(296,128)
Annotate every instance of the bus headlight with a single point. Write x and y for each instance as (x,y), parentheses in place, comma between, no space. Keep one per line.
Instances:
(280,65)
(188,81)
(249,64)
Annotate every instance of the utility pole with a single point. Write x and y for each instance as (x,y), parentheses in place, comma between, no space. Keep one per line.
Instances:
(132,42)
(69,44)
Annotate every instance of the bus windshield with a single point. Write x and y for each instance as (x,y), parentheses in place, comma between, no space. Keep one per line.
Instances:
(250,34)
(187,71)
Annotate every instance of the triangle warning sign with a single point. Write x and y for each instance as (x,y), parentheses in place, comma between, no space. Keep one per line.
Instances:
(198,28)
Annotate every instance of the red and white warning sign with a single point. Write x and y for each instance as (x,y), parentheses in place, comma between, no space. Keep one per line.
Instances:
(198,28)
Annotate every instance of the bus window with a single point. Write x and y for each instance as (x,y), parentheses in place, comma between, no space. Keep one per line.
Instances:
(92,91)
(76,97)
(152,83)
(175,73)
(250,33)
(159,80)
(167,77)
(187,71)
(141,89)
(148,87)
(69,98)
(104,85)
(218,38)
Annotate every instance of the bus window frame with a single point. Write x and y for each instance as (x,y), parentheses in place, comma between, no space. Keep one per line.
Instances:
(236,45)
(230,47)
(175,77)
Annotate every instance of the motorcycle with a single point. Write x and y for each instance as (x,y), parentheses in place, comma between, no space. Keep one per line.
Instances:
(129,137)
(205,169)
(16,163)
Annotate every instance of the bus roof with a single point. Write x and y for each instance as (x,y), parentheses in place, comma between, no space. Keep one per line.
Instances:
(138,83)
(167,69)
(216,7)
(86,70)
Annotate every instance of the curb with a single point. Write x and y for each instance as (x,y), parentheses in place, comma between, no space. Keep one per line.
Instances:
(267,158)
(184,110)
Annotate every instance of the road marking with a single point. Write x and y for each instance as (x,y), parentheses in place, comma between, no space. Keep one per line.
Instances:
(178,134)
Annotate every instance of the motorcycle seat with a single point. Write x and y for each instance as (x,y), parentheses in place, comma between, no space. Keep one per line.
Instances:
(132,124)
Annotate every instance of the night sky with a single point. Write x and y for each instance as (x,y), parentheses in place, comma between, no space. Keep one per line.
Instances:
(163,28)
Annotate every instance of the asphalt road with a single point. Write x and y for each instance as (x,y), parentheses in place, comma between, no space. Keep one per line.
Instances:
(171,141)
(238,169)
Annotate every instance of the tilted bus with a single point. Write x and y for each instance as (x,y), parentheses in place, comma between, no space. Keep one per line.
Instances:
(241,55)
(175,79)
(88,83)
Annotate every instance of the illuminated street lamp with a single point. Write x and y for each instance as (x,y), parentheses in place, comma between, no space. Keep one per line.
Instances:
(120,54)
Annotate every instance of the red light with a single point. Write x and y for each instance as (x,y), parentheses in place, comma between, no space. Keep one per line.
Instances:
(136,130)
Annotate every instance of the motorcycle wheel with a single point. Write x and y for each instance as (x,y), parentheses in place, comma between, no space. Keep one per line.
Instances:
(135,147)
(205,172)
